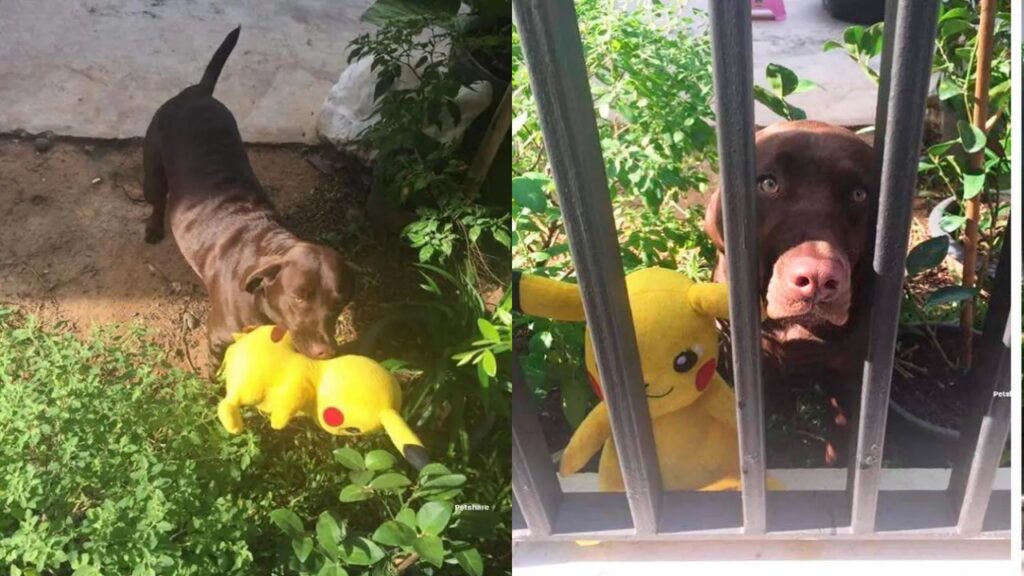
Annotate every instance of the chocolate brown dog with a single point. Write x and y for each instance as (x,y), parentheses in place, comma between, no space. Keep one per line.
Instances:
(255,271)
(816,184)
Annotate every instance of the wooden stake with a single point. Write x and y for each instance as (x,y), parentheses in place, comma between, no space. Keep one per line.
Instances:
(976,161)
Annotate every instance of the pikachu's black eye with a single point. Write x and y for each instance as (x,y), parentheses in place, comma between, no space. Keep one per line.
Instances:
(686,360)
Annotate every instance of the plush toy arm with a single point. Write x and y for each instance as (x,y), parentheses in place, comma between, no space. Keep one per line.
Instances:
(547,298)
(710,299)
(720,402)
(593,432)
(404,439)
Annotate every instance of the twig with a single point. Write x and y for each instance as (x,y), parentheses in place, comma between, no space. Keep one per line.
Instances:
(972,208)
(407,563)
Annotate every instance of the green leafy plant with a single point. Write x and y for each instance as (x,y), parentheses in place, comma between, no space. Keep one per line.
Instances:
(418,166)
(650,76)
(862,45)
(782,83)
(421,526)
(113,462)
(944,169)
(652,91)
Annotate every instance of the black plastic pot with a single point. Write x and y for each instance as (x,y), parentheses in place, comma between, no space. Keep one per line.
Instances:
(920,424)
(956,248)
(856,11)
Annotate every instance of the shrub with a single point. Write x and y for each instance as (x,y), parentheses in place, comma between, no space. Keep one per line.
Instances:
(113,462)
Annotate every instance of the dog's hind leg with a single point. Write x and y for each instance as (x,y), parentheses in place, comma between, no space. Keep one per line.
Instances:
(154,187)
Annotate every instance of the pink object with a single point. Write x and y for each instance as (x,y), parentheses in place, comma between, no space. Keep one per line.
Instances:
(814,279)
(767,9)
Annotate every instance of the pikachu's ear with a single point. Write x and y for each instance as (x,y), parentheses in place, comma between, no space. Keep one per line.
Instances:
(547,298)
(710,299)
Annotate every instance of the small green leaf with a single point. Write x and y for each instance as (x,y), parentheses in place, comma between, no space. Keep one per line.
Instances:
(433,517)
(971,137)
(805,85)
(287,521)
(430,548)
(331,569)
(973,184)
(445,481)
(349,458)
(948,88)
(379,460)
(434,469)
(328,534)
(392,533)
(948,295)
(361,477)
(927,255)
(782,80)
(831,45)
(389,481)
(950,223)
(488,330)
(489,363)
(352,493)
(528,191)
(361,552)
(470,561)
(406,516)
(853,34)
(302,547)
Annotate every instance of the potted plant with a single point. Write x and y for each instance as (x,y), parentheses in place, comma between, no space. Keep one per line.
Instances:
(929,386)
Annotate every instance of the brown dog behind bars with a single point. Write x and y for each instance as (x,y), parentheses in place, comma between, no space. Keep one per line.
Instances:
(816,184)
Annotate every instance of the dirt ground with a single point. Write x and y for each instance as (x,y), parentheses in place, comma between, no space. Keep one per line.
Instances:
(71,248)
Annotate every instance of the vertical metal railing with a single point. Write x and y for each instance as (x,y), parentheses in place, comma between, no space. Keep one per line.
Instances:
(551,44)
(731,39)
(913,45)
(558,73)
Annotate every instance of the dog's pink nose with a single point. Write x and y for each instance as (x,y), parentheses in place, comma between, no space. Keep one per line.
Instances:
(816,279)
(321,351)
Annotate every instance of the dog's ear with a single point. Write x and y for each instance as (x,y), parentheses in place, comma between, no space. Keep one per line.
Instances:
(713,220)
(261,276)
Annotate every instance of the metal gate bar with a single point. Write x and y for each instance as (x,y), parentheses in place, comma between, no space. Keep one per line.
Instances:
(534,484)
(914,43)
(984,378)
(991,440)
(542,511)
(731,43)
(554,53)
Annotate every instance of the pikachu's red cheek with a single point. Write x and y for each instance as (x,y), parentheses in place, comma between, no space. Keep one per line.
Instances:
(333,417)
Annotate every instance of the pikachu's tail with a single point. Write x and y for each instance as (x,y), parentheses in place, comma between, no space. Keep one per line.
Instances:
(404,439)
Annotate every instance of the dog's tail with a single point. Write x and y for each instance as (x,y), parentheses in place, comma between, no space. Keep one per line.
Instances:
(217,62)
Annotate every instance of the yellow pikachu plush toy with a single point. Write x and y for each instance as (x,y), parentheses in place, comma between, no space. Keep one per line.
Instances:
(346,396)
(693,411)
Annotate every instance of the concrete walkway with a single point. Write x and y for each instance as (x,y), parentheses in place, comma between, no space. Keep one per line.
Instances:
(100,68)
(846,96)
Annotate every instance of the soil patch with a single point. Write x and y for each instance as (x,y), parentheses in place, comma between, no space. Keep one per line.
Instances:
(71,248)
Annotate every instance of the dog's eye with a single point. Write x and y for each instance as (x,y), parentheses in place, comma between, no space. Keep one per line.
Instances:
(687,359)
(859,195)
(767,184)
